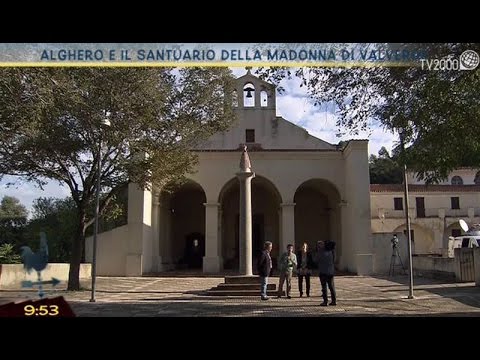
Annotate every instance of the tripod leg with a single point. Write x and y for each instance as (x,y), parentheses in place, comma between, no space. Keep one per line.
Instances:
(392,265)
(401,262)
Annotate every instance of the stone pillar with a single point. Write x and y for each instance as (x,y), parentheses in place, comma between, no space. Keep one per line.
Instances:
(437,239)
(211,260)
(156,258)
(220,237)
(343,248)
(245,231)
(167,257)
(288,226)
(359,255)
(139,230)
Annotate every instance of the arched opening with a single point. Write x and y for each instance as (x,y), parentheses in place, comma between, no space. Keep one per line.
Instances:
(317,214)
(234,98)
(248,95)
(422,239)
(182,220)
(457,180)
(263,98)
(265,220)
(477,178)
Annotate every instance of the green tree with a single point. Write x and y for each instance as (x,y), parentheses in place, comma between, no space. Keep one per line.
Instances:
(439,111)
(56,218)
(385,169)
(13,217)
(50,128)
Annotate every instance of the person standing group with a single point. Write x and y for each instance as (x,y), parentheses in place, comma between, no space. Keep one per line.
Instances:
(303,262)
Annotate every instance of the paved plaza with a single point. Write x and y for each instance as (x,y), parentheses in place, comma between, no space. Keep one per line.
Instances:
(184,296)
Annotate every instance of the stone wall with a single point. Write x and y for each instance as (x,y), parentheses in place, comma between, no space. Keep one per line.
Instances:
(432,266)
(12,275)
(382,248)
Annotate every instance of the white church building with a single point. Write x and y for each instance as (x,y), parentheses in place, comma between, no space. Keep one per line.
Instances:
(304,190)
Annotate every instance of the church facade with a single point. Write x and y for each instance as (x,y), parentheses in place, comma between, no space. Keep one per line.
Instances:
(304,190)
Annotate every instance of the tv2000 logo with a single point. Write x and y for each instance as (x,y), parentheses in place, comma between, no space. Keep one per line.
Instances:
(469,60)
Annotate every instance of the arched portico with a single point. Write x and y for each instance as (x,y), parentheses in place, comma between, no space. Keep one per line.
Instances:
(317,213)
(182,226)
(266,201)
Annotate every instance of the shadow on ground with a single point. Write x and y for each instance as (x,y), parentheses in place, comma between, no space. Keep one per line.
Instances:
(465,293)
(178,308)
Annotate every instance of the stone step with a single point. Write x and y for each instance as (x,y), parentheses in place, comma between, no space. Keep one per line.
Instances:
(223,287)
(242,279)
(240,293)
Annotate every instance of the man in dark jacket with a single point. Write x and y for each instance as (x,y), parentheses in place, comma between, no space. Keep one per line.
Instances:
(264,268)
(304,268)
(326,270)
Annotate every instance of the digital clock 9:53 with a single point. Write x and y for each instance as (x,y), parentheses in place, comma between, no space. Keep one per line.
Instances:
(41,310)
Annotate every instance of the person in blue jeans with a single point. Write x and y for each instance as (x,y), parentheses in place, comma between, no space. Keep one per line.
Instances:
(264,268)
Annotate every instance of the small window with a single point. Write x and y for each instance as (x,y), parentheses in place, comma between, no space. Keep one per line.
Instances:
(398,203)
(456,232)
(455,202)
(263,98)
(250,135)
(457,180)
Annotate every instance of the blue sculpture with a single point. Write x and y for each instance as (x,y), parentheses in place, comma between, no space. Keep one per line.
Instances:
(37,261)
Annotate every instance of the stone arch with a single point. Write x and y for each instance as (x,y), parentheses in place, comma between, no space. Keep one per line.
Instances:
(317,213)
(266,200)
(182,221)
(423,241)
(249,95)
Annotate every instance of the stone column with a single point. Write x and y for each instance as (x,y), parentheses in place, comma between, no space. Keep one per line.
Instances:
(245,177)
(245,231)
(220,237)
(211,260)
(139,230)
(156,259)
(288,226)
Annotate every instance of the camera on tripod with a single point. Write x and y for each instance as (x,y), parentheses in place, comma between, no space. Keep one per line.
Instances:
(394,241)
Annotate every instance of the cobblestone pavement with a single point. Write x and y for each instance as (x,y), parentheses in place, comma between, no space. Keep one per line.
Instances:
(182,296)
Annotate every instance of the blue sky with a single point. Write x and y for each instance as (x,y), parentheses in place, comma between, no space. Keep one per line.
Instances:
(293,106)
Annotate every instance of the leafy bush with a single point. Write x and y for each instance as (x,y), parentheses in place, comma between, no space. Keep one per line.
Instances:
(8,255)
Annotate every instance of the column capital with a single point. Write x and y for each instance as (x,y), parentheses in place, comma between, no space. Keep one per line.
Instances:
(211,204)
(287,204)
(245,175)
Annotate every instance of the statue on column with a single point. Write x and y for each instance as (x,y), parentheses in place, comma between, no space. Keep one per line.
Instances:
(245,164)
